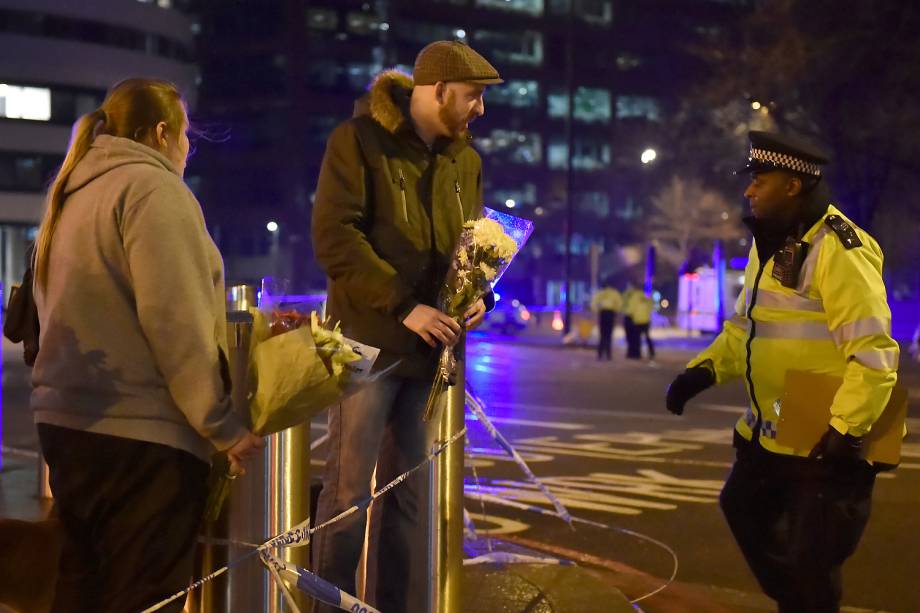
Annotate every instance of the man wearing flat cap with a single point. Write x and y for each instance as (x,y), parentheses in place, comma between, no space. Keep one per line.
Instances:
(397,183)
(814,301)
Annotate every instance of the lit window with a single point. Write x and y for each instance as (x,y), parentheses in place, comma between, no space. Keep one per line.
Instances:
(638,107)
(514,47)
(25,102)
(557,156)
(517,147)
(628,61)
(591,105)
(322,19)
(364,23)
(531,7)
(594,12)
(589,155)
(514,93)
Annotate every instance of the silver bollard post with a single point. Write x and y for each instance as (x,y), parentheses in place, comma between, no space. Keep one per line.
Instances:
(273,495)
(44,479)
(445,557)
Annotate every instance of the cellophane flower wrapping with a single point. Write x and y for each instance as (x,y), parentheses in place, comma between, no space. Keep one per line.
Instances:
(298,367)
(484,252)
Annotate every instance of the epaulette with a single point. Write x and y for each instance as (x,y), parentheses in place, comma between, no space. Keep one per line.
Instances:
(845,231)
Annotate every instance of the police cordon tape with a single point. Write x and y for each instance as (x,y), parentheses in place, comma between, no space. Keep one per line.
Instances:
(300,534)
(269,561)
(314,586)
(579,520)
(477,407)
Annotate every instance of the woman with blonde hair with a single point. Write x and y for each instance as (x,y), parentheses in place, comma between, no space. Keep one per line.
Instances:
(130,387)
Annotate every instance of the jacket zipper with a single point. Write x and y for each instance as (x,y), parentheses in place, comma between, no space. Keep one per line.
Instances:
(402,192)
(759,423)
(459,202)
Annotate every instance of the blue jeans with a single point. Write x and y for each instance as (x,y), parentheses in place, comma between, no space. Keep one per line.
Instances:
(379,426)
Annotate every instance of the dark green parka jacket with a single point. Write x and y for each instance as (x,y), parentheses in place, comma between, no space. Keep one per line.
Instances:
(387,215)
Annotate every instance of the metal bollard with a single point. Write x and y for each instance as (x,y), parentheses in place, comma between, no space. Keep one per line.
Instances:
(44,479)
(270,498)
(445,541)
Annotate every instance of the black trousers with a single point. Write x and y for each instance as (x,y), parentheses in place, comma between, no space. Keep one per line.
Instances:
(633,348)
(606,320)
(643,330)
(796,522)
(130,513)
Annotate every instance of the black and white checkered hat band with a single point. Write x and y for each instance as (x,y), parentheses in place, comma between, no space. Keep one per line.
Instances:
(783,160)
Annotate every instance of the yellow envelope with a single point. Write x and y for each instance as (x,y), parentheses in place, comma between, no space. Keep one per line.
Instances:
(805,415)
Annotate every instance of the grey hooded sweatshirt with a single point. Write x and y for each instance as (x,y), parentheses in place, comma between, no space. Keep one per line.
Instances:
(132,317)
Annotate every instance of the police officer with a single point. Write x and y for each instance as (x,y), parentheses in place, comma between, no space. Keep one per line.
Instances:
(606,302)
(814,300)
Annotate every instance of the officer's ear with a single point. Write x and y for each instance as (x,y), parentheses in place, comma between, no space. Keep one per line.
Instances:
(793,186)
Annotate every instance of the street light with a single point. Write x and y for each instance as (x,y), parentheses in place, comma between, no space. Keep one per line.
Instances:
(272,227)
(510,203)
(648,156)
(755,105)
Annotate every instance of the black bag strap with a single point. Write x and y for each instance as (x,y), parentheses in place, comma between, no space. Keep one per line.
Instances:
(21,322)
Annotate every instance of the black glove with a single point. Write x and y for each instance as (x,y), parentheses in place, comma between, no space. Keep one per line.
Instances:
(837,448)
(687,385)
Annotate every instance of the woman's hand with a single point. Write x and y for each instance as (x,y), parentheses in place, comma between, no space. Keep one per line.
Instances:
(244,449)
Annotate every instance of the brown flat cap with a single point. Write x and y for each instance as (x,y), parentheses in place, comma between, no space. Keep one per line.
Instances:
(451,60)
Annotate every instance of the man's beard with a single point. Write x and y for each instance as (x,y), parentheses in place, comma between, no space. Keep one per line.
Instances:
(454,125)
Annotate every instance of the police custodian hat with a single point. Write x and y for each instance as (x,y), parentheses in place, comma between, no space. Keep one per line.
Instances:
(452,60)
(772,151)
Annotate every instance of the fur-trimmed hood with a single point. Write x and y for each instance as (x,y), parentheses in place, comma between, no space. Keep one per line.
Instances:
(388,99)
(387,103)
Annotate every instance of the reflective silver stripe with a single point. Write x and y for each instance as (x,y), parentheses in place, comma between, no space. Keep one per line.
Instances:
(804,330)
(742,322)
(869,326)
(879,359)
(792,302)
(811,260)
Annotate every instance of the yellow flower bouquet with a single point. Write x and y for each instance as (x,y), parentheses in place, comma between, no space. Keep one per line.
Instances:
(483,253)
(297,368)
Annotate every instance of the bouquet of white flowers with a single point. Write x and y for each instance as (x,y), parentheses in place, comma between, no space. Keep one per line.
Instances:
(483,253)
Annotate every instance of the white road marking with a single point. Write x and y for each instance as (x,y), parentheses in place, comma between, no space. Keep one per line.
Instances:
(514,421)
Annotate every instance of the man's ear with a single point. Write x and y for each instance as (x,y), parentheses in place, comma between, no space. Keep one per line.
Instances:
(793,186)
(440,92)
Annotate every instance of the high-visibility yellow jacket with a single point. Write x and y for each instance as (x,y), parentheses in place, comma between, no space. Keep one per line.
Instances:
(606,299)
(836,321)
(639,307)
